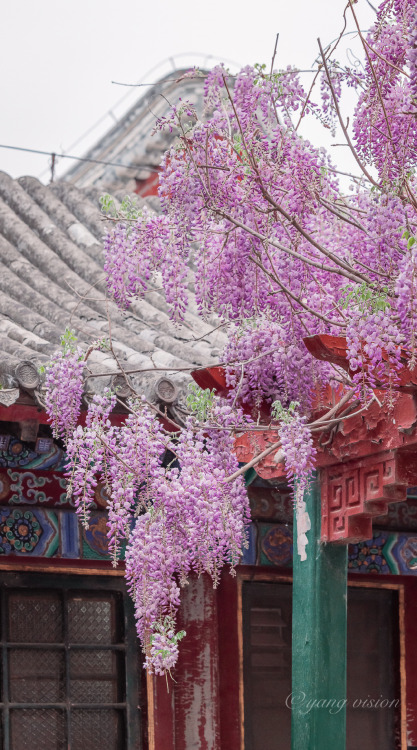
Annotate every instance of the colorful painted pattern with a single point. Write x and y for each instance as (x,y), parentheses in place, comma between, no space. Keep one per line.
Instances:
(387,553)
(28,532)
(369,557)
(94,539)
(46,488)
(275,544)
(37,519)
(20,454)
(41,532)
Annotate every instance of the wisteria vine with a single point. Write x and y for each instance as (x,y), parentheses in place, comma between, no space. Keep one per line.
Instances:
(280,248)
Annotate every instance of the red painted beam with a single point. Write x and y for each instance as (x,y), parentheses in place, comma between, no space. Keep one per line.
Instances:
(213,378)
(21,412)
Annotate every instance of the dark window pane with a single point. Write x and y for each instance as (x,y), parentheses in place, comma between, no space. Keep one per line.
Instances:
(92,619)
(36,676)
(79,624)
(267,665)
(370,673)
(35,617)
(37,729)
(94,729)
(96,676)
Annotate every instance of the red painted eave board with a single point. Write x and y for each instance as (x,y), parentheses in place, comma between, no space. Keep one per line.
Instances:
(21,412)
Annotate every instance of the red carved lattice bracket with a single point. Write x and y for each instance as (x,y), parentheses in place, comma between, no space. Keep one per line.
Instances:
(355,492)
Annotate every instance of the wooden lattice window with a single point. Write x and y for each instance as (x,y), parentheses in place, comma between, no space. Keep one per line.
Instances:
(69,664)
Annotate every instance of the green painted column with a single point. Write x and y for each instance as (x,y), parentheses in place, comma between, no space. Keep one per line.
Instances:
(318,699)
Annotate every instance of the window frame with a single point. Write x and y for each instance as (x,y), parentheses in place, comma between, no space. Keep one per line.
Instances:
(88,582)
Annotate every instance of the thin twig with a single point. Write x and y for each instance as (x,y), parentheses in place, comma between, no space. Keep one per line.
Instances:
(274,54)
(315,426)
(342,124)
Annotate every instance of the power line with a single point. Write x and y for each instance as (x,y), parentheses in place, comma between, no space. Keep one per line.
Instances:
(172,60)
(54,156)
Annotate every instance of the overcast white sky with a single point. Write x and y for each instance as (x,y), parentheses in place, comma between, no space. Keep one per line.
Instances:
(58,58)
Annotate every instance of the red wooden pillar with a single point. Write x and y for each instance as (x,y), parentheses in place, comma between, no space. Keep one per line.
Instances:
(161,728)
(184,713)
(231,712)
(196,675)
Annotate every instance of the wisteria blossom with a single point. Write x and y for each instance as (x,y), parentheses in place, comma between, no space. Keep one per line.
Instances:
(280,246)
(64,390)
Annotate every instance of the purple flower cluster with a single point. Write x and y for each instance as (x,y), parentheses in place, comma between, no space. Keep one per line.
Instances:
(299,453)
(374,349)
(412,51)
(86,454)
(163,649)
(174,520)
(196,522)
(406,291)
(385,124)
(132,466)
(63,390)
(134,253)
(268,364)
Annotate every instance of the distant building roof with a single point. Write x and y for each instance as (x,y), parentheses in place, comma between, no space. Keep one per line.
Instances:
(130,142)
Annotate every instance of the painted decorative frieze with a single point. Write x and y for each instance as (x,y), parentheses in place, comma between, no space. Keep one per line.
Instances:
(16,453)
(42,532)
(45,488)
(386,553)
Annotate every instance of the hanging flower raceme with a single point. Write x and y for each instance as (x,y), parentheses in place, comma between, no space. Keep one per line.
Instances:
(134,252)
(64,389)
(87,453)
(406,292)
(266,364)
(374,350)
(412,52)
(153,559)
(195,523)
(133,467)
(174,520)
(296,445)
(299,454)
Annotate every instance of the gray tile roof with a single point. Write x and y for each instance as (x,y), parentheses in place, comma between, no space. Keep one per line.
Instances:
(51,277)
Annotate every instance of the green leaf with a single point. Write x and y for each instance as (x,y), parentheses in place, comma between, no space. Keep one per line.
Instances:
(108,205)
(68,340)
(281,414)
(200,401)
(365,297)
